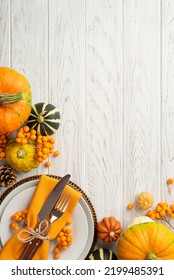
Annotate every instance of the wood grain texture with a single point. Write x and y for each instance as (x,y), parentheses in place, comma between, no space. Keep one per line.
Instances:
(104,106)
(5,34)
(30,49)
(30,44)
(67,84)
(142,98)
(167,98)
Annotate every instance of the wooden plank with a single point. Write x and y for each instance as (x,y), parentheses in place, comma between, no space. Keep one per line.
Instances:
(104,106)
(30,49)
(167,98)
(67,84)
(142,139)
(5,33)
(30,43)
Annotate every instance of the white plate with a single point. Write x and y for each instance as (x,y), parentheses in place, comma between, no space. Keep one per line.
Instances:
(82,217)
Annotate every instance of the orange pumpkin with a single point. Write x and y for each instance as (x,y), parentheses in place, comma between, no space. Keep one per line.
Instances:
(109,229)
(146,241)
(15,100)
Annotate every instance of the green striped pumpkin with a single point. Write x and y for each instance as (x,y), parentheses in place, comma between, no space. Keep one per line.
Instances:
(44,118)
(102,254)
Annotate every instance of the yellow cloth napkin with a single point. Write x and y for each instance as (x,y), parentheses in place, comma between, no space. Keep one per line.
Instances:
(14,247)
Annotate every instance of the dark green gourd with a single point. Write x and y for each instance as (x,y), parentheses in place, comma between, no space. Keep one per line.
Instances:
(44,118)
(102,254)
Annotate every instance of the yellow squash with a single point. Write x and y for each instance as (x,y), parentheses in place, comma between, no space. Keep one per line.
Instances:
(21,157)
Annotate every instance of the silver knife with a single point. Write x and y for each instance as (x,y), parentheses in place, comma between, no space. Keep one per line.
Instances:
(46,210)
(52,198)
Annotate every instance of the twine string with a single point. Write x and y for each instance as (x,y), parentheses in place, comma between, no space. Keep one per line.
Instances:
(39,233)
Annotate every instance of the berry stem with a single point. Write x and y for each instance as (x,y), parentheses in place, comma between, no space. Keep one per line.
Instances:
(167,221)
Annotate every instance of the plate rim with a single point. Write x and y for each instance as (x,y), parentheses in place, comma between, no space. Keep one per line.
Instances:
(71,184)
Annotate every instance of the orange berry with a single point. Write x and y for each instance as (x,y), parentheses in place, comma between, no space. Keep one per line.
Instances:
(40,159)
(24,141)
(65,229)
(52,140)
(63,238)
(56,154)
(47,164)
(150,213)
(45,156)
(51,151)
(69,222)
(172,207)
(172,216)
(25,211)
(19,213)
(26,128)
(20,134)
(165,206)
(69,238)
(43,138)
(33,137)
(69,230)
(59,246)
(18,140)
(15,217)
(158,209)
(152,216)
(169,211)
(64,243)
(130,206)
(170,181)
(14,226)
(58,239)
(57,256)
(19,219)
(64,247)
(40,154)
(46,145)
(157,216)
(162,213)
(56,250)
(160,204)
(60,234)
(33,131)
(45,150)
(2,154)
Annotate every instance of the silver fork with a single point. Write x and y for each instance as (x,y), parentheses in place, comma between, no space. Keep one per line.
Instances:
(56,213)
(60,207)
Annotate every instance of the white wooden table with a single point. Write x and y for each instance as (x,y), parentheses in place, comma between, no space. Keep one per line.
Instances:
(108,65)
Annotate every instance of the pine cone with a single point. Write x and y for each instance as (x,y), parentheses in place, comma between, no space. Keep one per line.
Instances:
(7,176)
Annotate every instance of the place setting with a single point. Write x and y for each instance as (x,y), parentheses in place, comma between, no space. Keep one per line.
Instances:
(51,202)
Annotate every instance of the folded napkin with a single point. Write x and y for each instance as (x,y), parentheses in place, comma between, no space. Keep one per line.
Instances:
(14,246)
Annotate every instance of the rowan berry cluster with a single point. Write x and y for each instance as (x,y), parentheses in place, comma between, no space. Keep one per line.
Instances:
(17,218)
(44,144)
(4,138)
(162,211)
(64,240)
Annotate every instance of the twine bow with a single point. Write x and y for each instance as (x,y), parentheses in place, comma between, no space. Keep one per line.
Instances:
(33,233)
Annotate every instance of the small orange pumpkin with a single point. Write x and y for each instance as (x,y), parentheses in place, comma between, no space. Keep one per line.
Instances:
(15,100)
(109,229)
